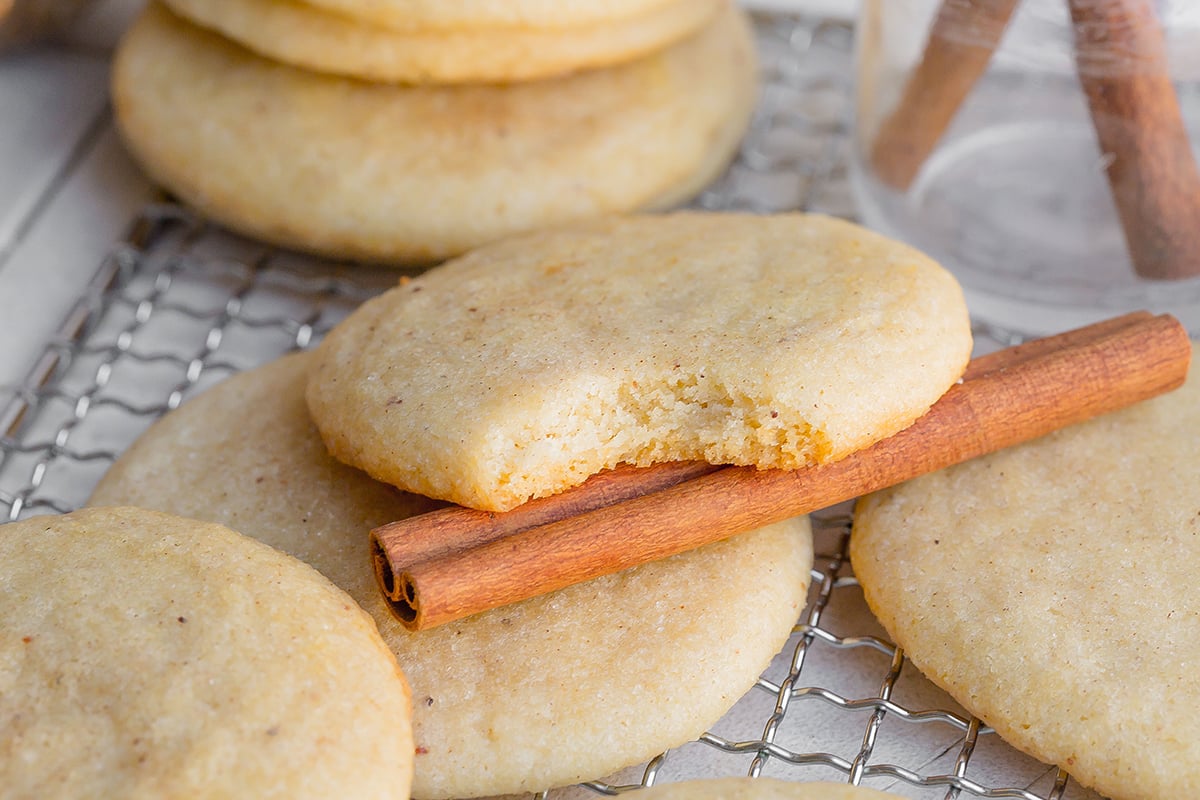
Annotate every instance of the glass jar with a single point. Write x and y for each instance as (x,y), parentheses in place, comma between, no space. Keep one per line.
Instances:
(1043,150)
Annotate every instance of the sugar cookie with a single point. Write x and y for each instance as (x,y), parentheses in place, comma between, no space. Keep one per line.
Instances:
(452,15)
(306,36)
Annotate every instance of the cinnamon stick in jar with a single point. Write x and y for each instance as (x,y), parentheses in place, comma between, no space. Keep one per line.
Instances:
(961,41)
(1121,58)
(1004,398)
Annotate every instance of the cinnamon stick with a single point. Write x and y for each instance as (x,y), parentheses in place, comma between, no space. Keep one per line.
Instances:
(1121,58)
(447,530)
(1005,398)
(964,35)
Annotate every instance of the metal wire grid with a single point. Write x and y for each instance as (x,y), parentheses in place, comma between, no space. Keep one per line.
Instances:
(179,305)
(944,775)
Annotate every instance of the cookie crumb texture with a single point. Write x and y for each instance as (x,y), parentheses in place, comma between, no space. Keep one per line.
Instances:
(519,370)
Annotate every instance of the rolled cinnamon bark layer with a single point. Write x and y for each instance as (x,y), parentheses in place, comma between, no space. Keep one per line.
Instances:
(1005,398)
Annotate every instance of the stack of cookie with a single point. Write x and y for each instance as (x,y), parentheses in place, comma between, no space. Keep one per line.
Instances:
(409,131)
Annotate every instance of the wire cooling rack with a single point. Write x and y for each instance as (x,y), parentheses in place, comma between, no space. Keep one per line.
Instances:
(179,305)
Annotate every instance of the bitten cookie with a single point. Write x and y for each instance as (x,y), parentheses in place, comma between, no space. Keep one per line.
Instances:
(561,688)
(523,368)
(392,174)
(307,36)
(147,656)
(1050,589)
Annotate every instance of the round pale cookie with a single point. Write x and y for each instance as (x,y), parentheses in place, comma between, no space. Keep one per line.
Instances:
(307,36)
(522,368)
(757,789)
(560,688)
(395,174)
(409,15)
(1050,589)
(144,656)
